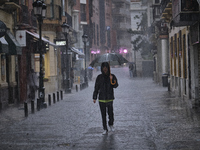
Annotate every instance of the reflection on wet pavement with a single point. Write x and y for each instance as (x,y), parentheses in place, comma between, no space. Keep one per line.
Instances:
(147,117)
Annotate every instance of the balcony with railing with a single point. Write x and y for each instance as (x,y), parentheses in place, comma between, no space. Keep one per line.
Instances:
(166,9)
(165,4)
(185,12)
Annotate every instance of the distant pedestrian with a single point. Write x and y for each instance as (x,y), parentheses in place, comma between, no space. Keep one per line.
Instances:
(104,91)
(32,84)
(90,73)
(131,68)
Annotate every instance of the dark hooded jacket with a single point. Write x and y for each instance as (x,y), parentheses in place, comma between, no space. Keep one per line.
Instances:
(103,87)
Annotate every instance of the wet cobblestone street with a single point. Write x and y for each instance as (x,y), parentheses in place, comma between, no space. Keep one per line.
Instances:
(147,117)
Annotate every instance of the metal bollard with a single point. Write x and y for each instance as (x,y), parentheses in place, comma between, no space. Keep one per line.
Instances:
(32,107)
(80,86)
(168,86)
(38,104)
(54,98)
(61,95)
(76,88)
(26,109)
(57,96)
(49,98)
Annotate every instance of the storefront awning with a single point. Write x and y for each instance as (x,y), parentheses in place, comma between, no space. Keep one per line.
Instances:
(37,36)
(75,50)
(3,46)
(13,45)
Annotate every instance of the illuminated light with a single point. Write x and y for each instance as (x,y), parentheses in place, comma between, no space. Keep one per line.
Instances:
(125,51)
(93,52)
(98,51)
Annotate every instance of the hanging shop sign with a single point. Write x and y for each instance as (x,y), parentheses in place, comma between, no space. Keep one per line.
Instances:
(60,42)
(3,29)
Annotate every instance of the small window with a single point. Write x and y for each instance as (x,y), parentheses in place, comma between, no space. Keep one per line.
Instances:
(83,9)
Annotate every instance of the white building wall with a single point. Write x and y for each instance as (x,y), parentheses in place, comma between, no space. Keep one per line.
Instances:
(164,55)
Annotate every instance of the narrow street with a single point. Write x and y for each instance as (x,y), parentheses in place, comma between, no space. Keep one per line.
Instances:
(147,117)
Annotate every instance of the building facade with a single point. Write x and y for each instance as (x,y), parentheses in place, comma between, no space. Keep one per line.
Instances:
(177,31)
(121,23)
(101,25)
(19,47)
(10,50)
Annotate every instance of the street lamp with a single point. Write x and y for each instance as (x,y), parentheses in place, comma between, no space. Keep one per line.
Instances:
(85,39)
(40,11)
(67,85)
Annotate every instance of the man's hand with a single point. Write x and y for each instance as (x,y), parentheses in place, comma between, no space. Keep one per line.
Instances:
(94,100)
(111,77)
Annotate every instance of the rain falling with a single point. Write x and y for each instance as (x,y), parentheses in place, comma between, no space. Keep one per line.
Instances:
(99,75)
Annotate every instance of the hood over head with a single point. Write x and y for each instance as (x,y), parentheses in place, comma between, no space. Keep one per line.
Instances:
(105,64)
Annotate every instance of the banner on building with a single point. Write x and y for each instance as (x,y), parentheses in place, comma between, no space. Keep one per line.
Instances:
(21,37)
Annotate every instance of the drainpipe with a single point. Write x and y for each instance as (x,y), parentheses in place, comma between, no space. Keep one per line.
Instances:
(16,61)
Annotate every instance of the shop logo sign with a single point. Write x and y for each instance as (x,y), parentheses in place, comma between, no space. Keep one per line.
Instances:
(3,29)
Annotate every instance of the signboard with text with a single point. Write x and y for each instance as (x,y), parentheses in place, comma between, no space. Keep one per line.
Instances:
(61,43)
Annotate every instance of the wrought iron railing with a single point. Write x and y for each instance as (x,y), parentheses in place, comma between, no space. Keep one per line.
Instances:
(163,5)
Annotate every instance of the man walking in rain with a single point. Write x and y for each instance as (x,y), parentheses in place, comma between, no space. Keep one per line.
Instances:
(105,82)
